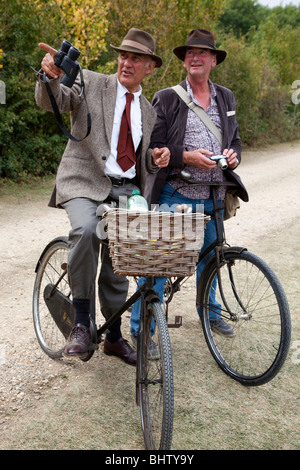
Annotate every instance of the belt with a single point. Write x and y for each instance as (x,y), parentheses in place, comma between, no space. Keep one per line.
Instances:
(173,177)
(121,181)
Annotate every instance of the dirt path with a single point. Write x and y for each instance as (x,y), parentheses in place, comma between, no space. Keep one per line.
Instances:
(34,387)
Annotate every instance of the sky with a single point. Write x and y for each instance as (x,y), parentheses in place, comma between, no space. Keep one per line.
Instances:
(276,3)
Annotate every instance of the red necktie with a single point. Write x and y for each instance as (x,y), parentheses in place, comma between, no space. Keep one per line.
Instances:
(126,153)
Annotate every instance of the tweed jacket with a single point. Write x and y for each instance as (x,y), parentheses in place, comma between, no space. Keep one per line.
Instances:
(169,131)
(81,170)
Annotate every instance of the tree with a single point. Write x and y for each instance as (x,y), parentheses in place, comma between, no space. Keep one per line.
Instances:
(278,44)
(240,16)
(262,63)
(30,141)
(24,149)
(85,24)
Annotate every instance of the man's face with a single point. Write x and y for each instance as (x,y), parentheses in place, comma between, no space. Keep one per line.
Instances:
(132,68)
(199,62)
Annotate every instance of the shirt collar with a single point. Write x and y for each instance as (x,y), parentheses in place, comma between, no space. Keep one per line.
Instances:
(213,92)
(121,91)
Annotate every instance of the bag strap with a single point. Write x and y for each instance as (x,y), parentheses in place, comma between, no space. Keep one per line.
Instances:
(199,111)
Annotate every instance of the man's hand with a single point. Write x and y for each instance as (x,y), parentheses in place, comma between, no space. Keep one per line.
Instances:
(199,159)
(231,157)
(48,62)
(161,157)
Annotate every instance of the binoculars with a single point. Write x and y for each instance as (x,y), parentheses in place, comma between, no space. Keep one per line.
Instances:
(66,59)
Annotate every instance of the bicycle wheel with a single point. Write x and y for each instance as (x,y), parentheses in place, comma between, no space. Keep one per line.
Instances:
(52,269)
(255,306)
(155,380)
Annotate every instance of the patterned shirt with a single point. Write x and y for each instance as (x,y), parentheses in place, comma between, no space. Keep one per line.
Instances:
(197,136)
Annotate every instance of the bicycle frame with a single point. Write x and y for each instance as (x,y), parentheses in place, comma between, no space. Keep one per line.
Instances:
(145,292)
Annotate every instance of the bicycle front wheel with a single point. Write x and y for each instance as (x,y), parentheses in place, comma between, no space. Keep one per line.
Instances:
(155,379)
(250,299)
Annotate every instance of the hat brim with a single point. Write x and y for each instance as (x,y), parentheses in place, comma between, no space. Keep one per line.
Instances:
(156,58)
(180,52)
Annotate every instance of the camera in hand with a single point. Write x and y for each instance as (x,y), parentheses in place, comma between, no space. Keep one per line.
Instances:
(220,160)
(66,59)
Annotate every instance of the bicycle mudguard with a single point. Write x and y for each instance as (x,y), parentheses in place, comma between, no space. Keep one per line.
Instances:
(225,249)
(55,240)
(63,313)
(60,308)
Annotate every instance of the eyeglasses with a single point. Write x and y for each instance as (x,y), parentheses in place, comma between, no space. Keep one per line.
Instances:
(191,53)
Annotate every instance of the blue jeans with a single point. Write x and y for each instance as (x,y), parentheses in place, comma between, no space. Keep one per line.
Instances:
(169,197)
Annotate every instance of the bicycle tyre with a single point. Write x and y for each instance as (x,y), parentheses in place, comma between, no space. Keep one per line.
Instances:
(51,267)
(155,381)
(51,264)
(262,323)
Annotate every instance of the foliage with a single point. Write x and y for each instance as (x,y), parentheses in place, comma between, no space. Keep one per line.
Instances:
(262,63)
(240,16)
(279,45)
(24,147)
(85,25)
(262,102)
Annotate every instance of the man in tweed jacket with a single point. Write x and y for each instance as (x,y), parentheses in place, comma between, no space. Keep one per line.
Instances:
(89,175)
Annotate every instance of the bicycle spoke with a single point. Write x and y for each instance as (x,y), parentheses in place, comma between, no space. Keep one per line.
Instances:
(50,270)
(257,310)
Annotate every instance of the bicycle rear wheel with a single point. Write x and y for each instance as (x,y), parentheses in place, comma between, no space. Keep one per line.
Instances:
(51,271)
(255,306)
(155,380)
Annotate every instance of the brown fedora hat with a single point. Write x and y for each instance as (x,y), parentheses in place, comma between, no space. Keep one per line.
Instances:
(140,42)
(203,39)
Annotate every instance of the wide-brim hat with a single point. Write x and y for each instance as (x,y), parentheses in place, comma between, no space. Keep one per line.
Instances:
(203,39)
(140,42)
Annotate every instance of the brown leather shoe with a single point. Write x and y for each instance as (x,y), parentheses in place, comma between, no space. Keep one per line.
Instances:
(121,349)
(78,341)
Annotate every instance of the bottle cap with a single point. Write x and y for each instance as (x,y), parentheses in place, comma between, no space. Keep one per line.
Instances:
(135,191)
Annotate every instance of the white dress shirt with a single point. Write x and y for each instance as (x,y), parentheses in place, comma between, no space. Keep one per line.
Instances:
(112,168)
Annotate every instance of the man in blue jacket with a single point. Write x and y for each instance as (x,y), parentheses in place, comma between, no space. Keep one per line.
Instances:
(191,143)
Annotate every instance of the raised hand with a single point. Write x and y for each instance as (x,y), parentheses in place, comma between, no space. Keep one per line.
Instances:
(48,64)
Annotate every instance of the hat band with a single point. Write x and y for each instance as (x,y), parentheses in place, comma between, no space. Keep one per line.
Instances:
(137,45)
(199,42)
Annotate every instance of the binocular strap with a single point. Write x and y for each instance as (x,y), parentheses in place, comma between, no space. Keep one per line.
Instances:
(57,113)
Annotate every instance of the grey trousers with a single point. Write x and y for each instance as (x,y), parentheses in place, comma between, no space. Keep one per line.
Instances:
(84,256)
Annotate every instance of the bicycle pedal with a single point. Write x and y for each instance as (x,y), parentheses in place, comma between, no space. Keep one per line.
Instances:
(178,322)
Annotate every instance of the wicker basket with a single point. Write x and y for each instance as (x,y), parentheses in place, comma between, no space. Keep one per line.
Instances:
(154,243)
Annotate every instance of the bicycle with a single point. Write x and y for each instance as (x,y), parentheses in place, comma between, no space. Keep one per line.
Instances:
(252,301)
(53,312)
(252,357)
